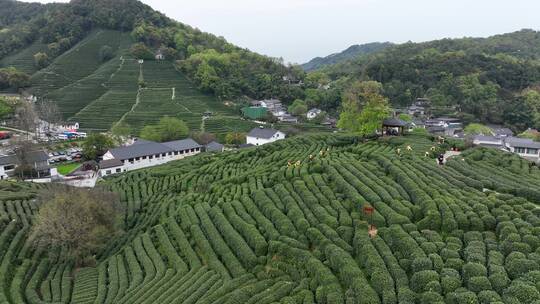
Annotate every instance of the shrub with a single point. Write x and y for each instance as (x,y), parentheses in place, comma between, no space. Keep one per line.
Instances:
(488,297)
(478,284)
(473,270)
(419,280)
(450,280)
(430,297)
(499,281)
(524,293)
(519,267)
(420,264)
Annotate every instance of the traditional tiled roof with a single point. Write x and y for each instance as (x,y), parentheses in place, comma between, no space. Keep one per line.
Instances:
(262,133)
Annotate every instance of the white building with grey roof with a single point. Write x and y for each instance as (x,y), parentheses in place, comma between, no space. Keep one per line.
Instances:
(261,136)
(144,154)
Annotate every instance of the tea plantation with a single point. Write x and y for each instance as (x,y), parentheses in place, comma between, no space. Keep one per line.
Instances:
(99,94)
(284,223)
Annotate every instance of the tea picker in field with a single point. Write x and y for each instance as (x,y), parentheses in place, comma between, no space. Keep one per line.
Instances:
(440,158)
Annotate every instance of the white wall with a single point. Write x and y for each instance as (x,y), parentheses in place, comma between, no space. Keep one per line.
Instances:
(145,163)
(257,141)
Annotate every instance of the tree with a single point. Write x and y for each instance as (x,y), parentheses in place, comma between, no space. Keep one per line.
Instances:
(48,111)
(203,138)
(141,51)
(235,138)
(298,107)
(364,108)
(96,145)
(79,221)
(405,117)
(26,117)
(167,129)
(22,149)
(122,129)
(41,60)
(105,53)
(320,118)
(478,129)
(13,78)
(6,108)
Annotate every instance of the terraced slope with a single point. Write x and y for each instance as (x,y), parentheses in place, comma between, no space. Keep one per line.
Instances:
(245,227)
(24,60)
(99,94)
(79,62)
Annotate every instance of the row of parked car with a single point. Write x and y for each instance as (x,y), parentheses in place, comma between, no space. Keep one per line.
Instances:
(67,155)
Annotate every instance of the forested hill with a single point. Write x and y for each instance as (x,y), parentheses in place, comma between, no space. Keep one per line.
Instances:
(348,54)
(43,33)
(492,80)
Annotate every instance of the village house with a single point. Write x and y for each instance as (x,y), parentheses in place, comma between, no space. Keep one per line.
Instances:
(260,136)
(159,55)
(214,146)
(488,141)
(313,113)
(288,118)
(524,147)
(144,153)
(38,160)
(273,106)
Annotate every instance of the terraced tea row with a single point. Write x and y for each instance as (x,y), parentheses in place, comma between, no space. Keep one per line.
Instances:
(284,223)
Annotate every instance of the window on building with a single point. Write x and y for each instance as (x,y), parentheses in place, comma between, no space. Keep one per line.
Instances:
(532,151)
(175,152)
(137,158)
(182,152)
(157,155)
(107,172)
(118,170)
(163,154)
(520,150)
(131,160)
(9,167)
(151,157)
(144,157)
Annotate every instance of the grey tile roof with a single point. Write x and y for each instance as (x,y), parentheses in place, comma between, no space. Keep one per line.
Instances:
(146,148)
(394,122)
(486,138)
(522,142)
(110,163)
(262,133)
(33,157)
(138,150)
(214,147)
(184,144)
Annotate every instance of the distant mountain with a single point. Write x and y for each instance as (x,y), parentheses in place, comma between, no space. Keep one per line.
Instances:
(350,53)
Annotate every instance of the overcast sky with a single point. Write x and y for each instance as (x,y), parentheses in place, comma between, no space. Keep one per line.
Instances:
(299,30)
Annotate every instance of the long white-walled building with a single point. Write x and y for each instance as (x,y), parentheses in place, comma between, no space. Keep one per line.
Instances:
(144,153)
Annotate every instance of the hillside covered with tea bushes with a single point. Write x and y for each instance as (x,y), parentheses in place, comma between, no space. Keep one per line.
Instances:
(247,227)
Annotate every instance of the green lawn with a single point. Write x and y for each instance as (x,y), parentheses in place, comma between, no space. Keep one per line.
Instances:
(67,168)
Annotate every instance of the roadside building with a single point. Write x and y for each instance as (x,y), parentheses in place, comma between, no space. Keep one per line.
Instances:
(37,160)
(261,136)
